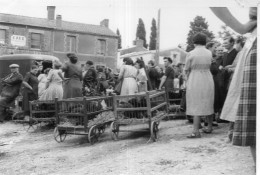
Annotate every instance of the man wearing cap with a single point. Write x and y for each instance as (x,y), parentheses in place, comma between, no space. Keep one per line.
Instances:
(11,88)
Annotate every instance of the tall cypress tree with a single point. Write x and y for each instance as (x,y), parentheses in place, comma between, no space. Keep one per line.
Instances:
(140,32)
(153,36)
(119,39)
(198,25)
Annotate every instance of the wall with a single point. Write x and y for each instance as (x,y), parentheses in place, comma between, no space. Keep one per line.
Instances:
(54,43)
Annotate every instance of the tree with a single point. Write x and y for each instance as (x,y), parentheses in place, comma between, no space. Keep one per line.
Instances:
(153,36)
(140,32)
(198,25)
(119,39)
(226,32)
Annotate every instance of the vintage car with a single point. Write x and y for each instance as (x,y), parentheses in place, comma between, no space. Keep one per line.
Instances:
(25,61)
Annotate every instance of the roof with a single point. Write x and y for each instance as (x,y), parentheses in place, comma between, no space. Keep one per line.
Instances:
(28,57)
(132,49)
(66,25)
(138,53)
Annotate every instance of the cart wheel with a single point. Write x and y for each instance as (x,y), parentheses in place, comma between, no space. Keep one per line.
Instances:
(154,130)
(114,130)
(27,125)
(59,136)
(93,135)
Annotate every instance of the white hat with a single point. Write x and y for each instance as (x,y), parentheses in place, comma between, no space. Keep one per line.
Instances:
(14,66)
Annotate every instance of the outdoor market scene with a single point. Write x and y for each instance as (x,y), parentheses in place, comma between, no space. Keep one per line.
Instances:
(128,87)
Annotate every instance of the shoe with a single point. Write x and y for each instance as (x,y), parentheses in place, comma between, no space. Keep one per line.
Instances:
(207,130)
(194,135)
(214,124)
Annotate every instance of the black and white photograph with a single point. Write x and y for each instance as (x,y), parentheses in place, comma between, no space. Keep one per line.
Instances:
(128,87)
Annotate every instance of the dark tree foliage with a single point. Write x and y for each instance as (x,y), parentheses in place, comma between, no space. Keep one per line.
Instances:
(198,25)
(140,32)
(119,39)
(153,36)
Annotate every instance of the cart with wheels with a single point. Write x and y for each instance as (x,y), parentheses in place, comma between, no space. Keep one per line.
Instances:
(143,108)
(83,116)
(40,112)
(174,99)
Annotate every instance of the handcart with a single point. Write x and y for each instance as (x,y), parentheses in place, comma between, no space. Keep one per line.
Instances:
(174,99)
(83,116)
(40,112)
(143,108)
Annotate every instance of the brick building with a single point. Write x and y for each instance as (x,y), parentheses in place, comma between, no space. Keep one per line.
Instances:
(50,36)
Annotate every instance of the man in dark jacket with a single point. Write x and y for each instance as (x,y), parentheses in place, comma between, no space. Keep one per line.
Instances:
(153,75)
(90,80)
(11,88)
(228,59)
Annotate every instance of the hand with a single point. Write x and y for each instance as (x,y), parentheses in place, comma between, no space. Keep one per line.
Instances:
(220,67)
(87,89)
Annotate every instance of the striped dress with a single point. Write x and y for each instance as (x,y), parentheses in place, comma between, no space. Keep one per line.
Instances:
(245,123)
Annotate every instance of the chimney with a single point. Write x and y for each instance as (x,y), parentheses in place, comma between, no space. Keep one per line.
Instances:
(58,21)
(139,43)
(51,12)
(104,23)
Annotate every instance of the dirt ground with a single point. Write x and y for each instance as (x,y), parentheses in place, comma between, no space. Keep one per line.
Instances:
(36,152)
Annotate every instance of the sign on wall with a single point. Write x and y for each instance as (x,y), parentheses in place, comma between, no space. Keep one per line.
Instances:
(18,40)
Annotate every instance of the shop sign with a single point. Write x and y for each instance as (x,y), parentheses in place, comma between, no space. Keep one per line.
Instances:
(18,40)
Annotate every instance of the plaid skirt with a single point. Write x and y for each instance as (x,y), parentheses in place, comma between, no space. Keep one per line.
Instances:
(245,123)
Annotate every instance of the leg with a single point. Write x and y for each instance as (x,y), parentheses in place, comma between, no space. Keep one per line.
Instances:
(253,152)
(3,104)
(196,126)
(230,131)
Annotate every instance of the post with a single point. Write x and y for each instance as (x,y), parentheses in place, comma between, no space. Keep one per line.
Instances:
(158,39)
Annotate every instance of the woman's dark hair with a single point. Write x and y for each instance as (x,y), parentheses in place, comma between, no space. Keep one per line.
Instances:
(100,69)
(128,61)
(73,58)
(140,62)
(89,63)
(47,70)
(34,67)
(200,39)
(151,62)
(168,58)
(240,40)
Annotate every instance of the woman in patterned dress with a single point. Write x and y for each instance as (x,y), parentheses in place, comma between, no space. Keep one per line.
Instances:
(244,110)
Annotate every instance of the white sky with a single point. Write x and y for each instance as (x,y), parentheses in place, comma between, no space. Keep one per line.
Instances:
(176,15)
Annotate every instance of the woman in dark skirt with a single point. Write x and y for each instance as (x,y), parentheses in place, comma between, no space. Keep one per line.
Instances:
(73,74)
(30,91)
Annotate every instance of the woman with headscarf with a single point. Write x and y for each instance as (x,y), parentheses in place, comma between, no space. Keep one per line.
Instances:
(54,83)
(73,74)
(242,90)
(128,74)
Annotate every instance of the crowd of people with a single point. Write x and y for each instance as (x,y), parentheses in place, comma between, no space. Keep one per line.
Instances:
(220,81)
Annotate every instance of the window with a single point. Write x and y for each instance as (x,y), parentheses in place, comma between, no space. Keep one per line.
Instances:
(35,40)
(101,47)
(2,36)
(71,44)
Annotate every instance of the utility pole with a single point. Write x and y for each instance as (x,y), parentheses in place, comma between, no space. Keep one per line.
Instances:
(158,39)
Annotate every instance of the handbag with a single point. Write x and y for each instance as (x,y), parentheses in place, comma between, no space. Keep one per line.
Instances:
(118,87)
(105,84)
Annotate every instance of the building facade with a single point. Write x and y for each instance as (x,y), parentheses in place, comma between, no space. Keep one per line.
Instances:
(50,36)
